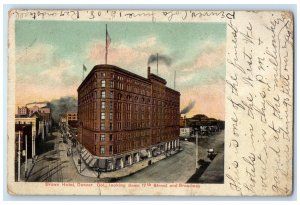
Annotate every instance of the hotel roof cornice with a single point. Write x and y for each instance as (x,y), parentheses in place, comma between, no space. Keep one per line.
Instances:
(118,69)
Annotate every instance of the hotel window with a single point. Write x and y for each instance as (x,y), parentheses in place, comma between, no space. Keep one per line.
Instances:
(110,126)
(102,94)
(110,105)
(102,149)
(110,116)
(103,105)
(102,127)
(110,148)
(103,74)
(111,84)
(110,137)
(102,137)
(111,94)
(102,115)
(102,83)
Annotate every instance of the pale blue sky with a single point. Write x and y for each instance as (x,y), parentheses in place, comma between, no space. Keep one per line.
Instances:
(59,48)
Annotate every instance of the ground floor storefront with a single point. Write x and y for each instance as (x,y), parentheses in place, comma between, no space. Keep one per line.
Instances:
(117,162)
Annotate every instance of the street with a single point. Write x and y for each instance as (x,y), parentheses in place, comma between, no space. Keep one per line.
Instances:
(180,167)
(53,164)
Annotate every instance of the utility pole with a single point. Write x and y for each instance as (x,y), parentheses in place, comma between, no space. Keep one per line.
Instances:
(80,158)
(26,156)
(196,149)
(43,131)
(19,156)
(33,133)
(47,130)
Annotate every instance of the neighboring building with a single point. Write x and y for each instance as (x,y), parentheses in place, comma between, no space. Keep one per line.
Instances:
(42,114)
(183,121)
(34,109)
(63,118)
(45,117)
(203,120)
(22,125)
(46,113)
(23,111)
(185,132)
(123,117)
(72,119)
(71,116)
(204,125)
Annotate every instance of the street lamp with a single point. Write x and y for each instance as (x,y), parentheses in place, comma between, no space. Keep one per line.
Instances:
(32,143)
(80,159)
(19,156)
(196,135)
(98,172)
(26,156)
(79,162)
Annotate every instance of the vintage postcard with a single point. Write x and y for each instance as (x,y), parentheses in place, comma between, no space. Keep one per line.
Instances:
(117,102)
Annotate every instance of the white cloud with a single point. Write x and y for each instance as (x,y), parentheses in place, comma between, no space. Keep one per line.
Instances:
(126,56)
(38,53)
(210,56)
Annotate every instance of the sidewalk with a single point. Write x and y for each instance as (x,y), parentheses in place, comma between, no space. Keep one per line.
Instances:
(87,171)
(30,166)
(215,171)
(210,171)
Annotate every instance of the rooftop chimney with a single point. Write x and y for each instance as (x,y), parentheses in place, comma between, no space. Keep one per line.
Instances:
(149,71)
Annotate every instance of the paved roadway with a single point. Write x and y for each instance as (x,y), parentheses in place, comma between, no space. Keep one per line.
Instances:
(180,167)
(54,165)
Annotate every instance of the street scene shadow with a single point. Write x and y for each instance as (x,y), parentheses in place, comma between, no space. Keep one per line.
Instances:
(46,145)
(195,178)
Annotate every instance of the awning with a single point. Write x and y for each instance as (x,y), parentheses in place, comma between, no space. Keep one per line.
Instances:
(87,158)
(93,162)
(85,155)
(83,151)
(89,161)
(102,163)
(144,153)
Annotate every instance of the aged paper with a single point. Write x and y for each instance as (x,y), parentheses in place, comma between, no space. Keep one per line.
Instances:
(219,88)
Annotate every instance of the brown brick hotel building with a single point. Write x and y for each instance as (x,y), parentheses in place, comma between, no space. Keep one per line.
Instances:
(124,118)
